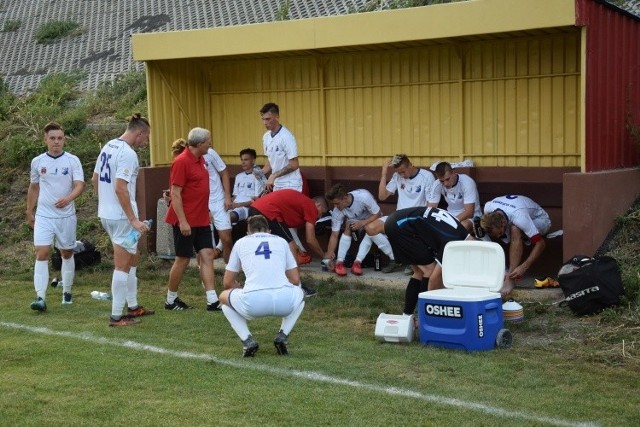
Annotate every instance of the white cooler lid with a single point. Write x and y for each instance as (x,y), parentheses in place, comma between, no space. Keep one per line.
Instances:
(473,264)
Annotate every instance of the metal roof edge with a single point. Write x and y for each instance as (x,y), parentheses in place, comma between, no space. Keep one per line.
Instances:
(420,23)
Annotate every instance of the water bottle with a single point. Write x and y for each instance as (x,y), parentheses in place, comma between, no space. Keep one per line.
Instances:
(55,282)
(376,261)
(131,241)
(100,295)
(260,176)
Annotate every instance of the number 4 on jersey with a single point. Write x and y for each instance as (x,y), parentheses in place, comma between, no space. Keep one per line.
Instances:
(263,249)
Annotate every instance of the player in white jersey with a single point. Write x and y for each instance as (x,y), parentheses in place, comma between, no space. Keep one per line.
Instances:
(114,182)
(281,149)
(272,294)
(219,200)
(459,191)
(517,221)
(246,187)
(56,180)
(413,186)
(358,208)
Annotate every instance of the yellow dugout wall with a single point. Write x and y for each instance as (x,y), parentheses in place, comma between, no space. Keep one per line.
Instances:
(500,102)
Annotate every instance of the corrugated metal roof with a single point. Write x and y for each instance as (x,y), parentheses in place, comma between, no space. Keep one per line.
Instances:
(103,51)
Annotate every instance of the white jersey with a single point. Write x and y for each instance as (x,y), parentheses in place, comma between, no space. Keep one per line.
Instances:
(117,160)
(412,192)
(246,187)
(363,206)
(55,176)
(214,165)
(522,212)
(462,193)
(279,149)
(264,258)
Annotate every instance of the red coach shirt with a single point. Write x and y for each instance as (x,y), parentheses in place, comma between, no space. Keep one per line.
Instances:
(189,172)
(287,206)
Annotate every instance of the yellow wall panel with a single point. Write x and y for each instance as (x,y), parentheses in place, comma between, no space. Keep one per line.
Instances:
(500,102)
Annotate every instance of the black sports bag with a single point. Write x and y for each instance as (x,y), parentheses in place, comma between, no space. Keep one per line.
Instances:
(590,284)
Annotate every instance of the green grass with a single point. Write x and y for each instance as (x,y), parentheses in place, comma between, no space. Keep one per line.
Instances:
(11,25)
(51,31)
(67,366)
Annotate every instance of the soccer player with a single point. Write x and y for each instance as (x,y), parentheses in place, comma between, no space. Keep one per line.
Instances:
(517,221)
(459,191)
(246,188)
(358,209)
(418,237)
(219,200)
(114,181)
(273,294)
(413,186)
(56,180)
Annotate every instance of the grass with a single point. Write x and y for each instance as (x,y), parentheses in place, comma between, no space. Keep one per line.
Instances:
(52,31)
(68,367)
(11,25)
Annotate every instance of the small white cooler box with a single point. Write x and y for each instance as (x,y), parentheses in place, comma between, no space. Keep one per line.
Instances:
(467,313)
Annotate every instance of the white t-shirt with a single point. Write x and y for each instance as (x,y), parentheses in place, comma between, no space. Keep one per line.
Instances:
(116,160)
(279,149)
(264,258)
(55,176)
(246,186)
(363,206)
(412,192)
(462,193)
(522,212)
(214,165)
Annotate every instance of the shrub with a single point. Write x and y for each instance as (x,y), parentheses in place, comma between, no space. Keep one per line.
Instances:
(11,25)
(121,97)
(53,30)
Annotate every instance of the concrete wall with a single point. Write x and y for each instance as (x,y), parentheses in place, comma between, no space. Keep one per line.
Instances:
(592,201)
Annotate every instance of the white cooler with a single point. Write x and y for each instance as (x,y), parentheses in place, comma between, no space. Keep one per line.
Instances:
(467,313)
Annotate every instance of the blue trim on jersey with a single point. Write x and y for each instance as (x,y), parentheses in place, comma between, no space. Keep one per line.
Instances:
(274,134)
(54,157)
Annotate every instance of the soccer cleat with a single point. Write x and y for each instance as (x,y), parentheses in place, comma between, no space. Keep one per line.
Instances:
(66,298)
(123,321)
(308,292)
(391,267)
(249,347)
(214,306)
(280,343)
(356,268)
(548,282)
(303,258)
(139,312)
(39,305)
(340,269)
(177,304)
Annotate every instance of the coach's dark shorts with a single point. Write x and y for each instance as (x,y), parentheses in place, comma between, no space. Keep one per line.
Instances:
(200,238)
(277,228)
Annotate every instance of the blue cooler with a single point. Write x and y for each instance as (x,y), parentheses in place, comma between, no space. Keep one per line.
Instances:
(467,313)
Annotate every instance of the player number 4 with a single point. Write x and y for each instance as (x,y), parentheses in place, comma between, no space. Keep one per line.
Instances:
(263,249)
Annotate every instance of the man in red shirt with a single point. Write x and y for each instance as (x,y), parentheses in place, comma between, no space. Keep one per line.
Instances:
(189,215)
(287,208)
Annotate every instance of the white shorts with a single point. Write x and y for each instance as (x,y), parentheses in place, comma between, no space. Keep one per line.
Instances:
(266,302)
(220,216)
(118,230)
(242,212)
(61,231)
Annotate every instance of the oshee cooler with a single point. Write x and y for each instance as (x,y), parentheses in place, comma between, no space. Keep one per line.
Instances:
(467,313)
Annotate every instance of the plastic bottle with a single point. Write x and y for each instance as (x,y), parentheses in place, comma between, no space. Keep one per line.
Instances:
(376,261)
(260,176)
(100,295)
(55,282)
(131,241)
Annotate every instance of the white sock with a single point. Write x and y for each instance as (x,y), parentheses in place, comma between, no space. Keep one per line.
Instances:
(237,322)
(68,272)
(118,292)
(41,278)
(364,247)
(343,247)
(219,245)
(171,297)
(382,242)
(132,288)
(212,296)
(294,234)
(289,321)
